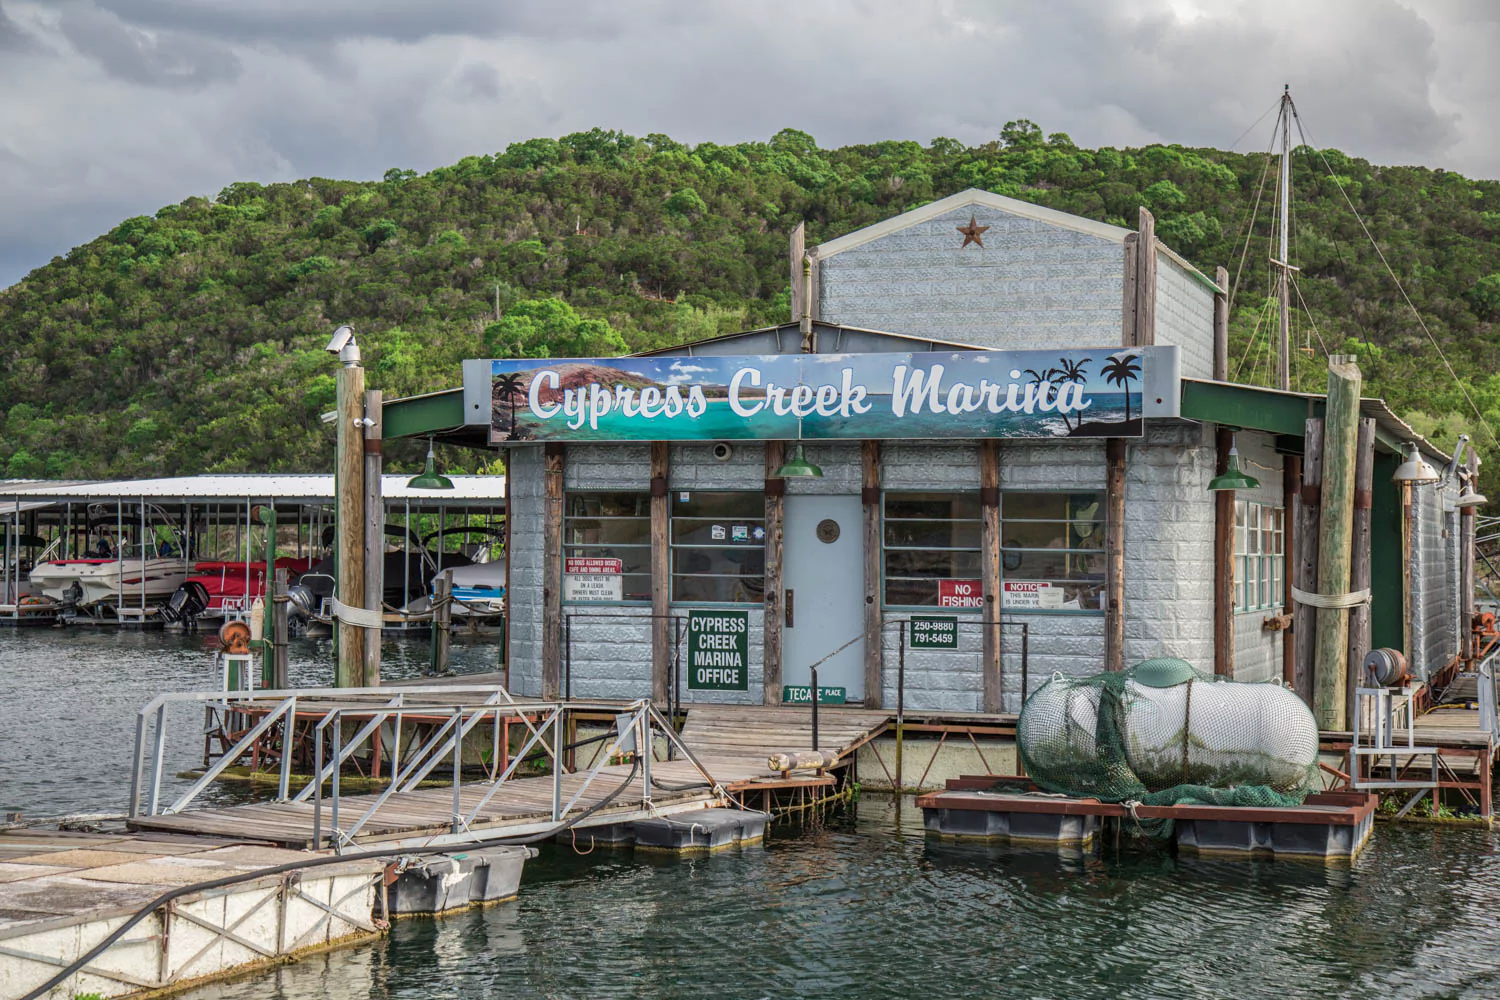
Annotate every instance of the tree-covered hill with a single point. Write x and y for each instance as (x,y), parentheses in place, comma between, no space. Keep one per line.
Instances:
(191,341)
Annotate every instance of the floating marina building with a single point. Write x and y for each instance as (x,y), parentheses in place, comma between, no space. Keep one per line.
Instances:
(992,447)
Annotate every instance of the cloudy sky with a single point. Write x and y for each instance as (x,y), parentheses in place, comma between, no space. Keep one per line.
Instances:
(112,108)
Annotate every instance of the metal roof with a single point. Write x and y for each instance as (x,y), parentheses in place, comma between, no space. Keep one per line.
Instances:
(312,488)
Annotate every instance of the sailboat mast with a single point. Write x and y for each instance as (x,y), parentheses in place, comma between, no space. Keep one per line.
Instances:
(1283,360)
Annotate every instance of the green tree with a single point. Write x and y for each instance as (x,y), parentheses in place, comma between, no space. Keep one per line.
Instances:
(546,328)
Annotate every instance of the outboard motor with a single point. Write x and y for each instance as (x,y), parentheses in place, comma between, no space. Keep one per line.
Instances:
(190,601)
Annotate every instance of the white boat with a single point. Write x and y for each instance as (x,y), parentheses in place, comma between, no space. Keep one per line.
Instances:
(478,589)
(130,580)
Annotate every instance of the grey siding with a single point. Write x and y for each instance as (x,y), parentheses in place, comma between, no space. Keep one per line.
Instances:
(610,651)
(1434,553)
(524,484)
(693,466)
(1169,531)
(1032,284)
(607,467)
(929,465)
(1185,316)
(840,463)
(1257,652)
(936,680)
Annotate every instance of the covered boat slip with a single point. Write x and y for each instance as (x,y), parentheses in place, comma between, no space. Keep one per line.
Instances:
(117,552)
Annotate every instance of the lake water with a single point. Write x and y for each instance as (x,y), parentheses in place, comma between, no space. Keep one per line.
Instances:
(69,698)
(864,908)
(868,908)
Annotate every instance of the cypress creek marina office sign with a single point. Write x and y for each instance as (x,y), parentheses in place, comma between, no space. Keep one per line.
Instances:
(1098,392)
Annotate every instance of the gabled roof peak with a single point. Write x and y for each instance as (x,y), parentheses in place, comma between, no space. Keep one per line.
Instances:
(973,196)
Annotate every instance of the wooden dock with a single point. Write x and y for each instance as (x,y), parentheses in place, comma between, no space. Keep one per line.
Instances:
(730,743)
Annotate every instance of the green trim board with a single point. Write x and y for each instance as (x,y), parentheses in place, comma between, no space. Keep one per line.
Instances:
(1387,628)
(1248,407)
(419,416)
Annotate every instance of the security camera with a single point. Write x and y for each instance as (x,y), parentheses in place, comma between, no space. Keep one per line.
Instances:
(344,345)
(723,451)
(341,337)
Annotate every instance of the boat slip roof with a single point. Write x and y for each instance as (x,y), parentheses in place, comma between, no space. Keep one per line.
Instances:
(312,488)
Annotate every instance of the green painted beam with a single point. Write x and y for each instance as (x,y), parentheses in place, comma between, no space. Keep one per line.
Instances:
(1386,572)
(419,416)
(1247,407)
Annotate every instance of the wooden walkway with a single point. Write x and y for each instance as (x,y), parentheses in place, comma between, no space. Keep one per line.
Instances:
(731,743)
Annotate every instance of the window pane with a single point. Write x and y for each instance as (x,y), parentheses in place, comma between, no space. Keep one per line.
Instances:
(607,531)
(737,531)
(932,564)
(932,534)
(942,506)
(721,505)
(608,505)
(1053,535)
(720,589)
(1052,565)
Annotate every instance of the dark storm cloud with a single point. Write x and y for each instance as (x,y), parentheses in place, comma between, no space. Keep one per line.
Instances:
(159,58)
(168,98)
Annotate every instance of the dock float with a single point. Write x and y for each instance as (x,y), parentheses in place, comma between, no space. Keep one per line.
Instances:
(1328,826)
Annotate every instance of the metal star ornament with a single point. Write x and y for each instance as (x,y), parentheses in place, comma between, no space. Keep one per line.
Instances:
(972,232)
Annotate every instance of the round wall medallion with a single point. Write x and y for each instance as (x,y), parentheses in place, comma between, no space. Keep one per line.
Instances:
(828,530)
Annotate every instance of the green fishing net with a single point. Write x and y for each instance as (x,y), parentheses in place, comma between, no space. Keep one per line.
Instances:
(1162,733)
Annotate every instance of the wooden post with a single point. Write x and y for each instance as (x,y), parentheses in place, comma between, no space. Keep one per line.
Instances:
(374,532)
(989,571)
(775,532)
(1309,517)
(282,580)
(1114,553)
(1223,561)
(869,452)
(1291,489)
(1466,603)
(442,620)
(350,514)
(1145,282)
(797,250)
(1221,326)
(1127,306)
(506,640)
(1359,561)
(661,573)
(1340,437)
(552,511)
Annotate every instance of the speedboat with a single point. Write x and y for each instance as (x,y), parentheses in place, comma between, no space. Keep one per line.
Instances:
(142,580)
(221,589)
(478,590)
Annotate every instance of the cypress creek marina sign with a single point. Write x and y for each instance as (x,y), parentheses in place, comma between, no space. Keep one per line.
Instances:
(1092,392)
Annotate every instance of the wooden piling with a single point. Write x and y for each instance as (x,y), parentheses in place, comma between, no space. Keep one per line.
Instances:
(1291,490)
(350,508)
(1221,326)
(1223,561)
(1359,559)
(1309,516)
(989,570)
(870,499)
(772,623)
(442,620)
(552,511)
(374,553)
(661,573)
(1114,553)
(1340,438)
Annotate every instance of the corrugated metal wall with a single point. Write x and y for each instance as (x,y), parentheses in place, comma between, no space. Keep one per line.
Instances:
(1434,569)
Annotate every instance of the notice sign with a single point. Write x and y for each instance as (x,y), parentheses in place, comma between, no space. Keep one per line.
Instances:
(960,594)
(1038,596)
(934,632)
(718,650)
(586,578)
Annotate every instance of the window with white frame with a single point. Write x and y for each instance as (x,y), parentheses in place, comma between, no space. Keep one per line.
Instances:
(1259,555)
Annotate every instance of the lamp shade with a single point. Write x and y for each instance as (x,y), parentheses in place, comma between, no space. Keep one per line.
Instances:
(1415,469)
(1232,478)
(429,479)
(799,467)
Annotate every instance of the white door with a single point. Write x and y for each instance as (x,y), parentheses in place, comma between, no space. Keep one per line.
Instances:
(823,572)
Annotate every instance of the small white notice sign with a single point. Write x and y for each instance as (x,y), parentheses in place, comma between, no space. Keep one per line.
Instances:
(587,578)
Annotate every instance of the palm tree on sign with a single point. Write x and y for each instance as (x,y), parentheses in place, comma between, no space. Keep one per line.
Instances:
(1068,370)
(1122,370)
(508,386)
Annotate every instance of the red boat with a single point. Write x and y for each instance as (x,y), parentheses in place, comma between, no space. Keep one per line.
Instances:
(228,588)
